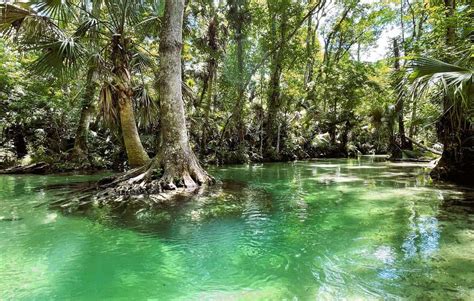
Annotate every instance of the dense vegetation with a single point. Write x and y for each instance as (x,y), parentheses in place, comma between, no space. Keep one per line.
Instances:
(162,85)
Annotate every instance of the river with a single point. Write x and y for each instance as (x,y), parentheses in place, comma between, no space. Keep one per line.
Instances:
(323,229)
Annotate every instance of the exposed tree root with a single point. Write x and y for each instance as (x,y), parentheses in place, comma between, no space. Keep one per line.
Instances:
(145,186)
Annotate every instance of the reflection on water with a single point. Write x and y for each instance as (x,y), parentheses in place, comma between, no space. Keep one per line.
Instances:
(325,229)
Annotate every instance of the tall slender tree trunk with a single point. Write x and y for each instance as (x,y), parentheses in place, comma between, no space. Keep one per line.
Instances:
(412,130)
(274,91)
(310,39)
(397,147)
(237,16)
(80,150)
(241,89)
(273,106)
(123,92)
(179,163)
(210,76)
(404,143)
(207,105)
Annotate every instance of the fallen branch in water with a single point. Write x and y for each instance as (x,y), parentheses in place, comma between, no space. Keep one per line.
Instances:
(35,168)
(436,152)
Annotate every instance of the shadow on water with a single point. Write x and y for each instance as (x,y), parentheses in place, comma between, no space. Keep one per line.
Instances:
(227,199)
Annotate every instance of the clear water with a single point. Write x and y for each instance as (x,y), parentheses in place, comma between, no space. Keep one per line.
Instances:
(326,229)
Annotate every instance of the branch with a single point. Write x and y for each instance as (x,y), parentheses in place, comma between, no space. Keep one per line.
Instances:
(436,152)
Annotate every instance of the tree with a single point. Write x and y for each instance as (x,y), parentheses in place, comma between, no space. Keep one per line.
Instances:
(81,149)
(238,16)
(65,44)
(176,164)
(179,163)
(455,124)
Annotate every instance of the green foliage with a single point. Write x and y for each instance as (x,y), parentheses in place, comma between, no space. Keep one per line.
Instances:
(247,64)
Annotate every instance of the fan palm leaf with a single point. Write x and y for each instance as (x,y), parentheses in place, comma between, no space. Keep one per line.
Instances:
(452,80)
(62,57)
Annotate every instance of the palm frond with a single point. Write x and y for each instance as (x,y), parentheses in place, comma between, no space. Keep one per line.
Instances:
(146,106)
(86,26)
(141,60)
(424,66)
(445,81)
(60,10)
(108,106)
(61,57)
(26,25)
(12,16)
(452,78)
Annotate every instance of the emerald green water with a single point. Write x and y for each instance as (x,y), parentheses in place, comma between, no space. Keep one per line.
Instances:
(319,230)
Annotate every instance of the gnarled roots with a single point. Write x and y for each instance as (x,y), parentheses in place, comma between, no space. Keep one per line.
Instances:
(157,182)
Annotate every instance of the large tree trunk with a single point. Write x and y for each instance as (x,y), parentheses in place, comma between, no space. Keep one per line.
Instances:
(457,161)
(175,164)
(81,150)
(136,153)
(178,161)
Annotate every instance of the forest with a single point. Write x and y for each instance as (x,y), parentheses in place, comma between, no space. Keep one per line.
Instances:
(154,103)
(83,84)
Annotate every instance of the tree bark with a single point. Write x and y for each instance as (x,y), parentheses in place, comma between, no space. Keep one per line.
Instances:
(136,153)
(179,163)
(122,85)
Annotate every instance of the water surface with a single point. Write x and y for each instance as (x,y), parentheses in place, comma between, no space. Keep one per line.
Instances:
(325,229)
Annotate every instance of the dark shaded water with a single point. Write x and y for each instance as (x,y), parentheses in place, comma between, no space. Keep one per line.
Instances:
(326,229)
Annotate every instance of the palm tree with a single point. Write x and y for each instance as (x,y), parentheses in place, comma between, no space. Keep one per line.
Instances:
(100,34)
(453,88)
(43,26)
